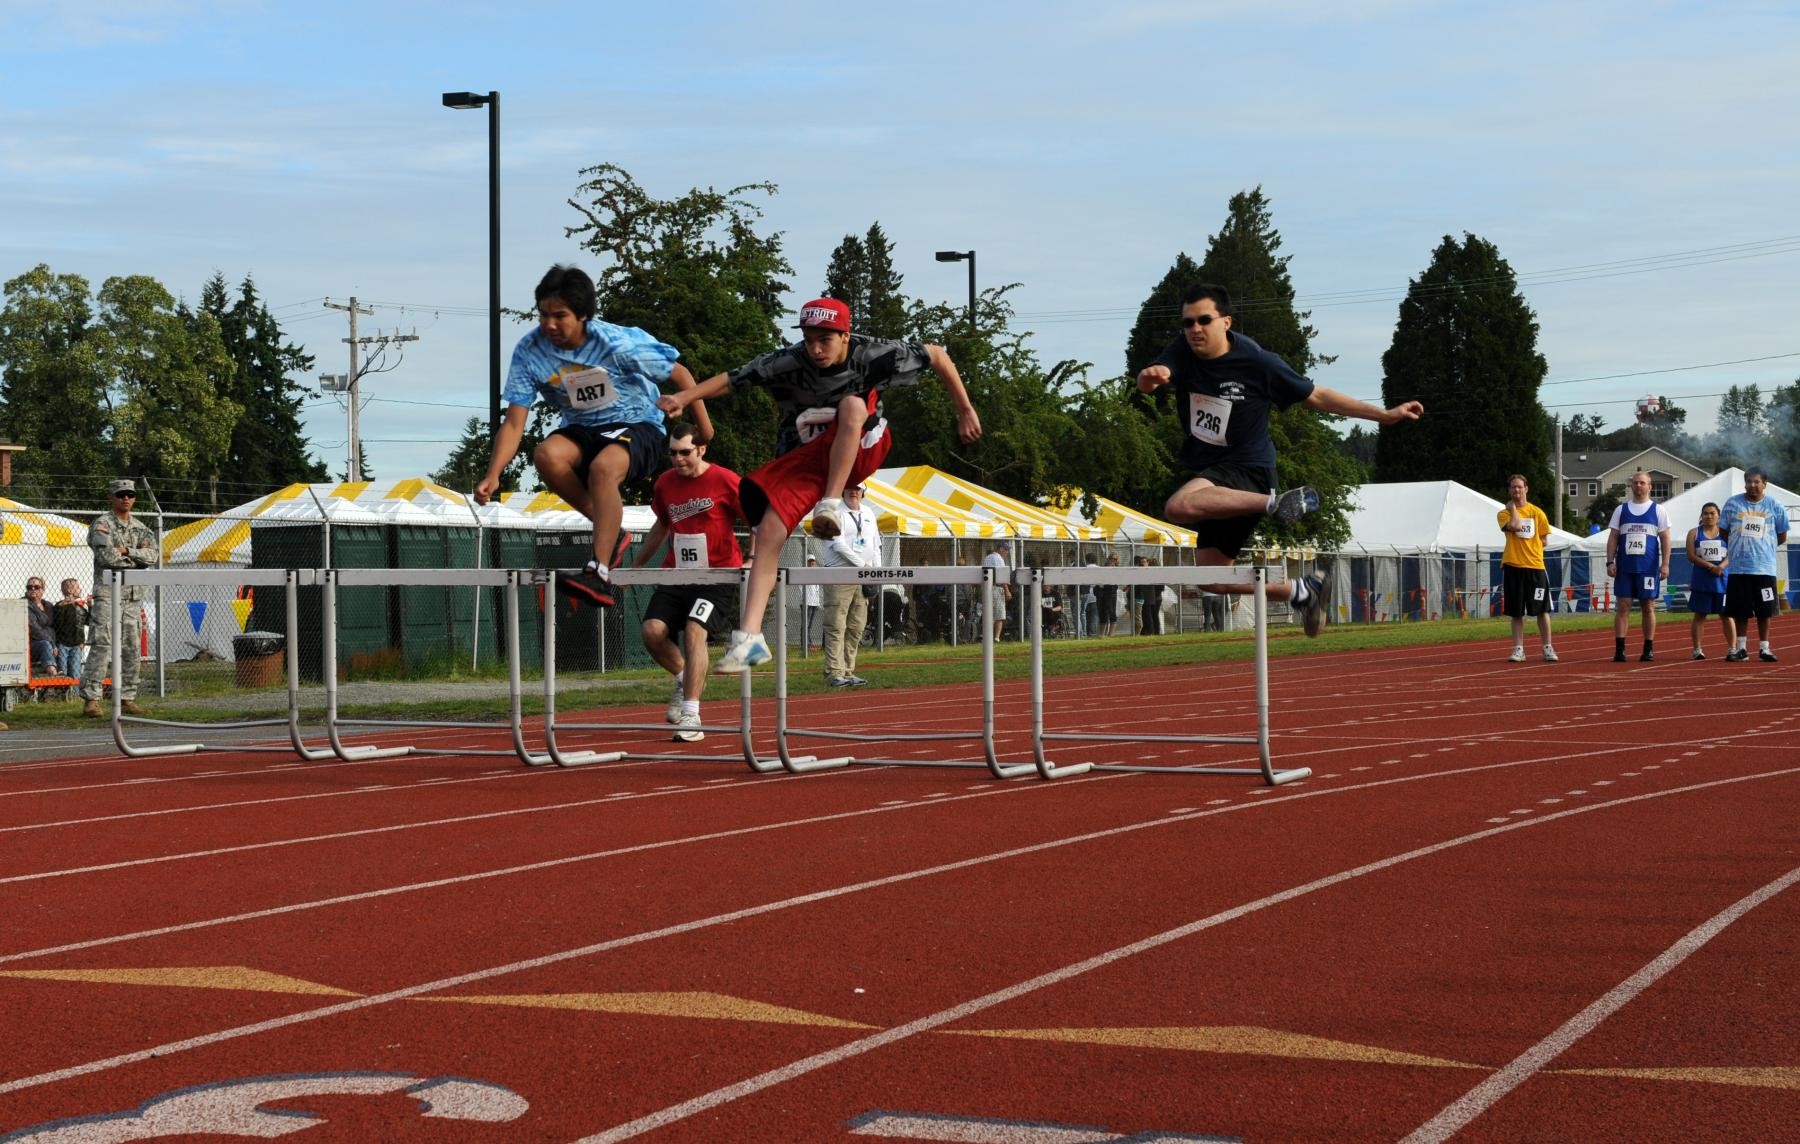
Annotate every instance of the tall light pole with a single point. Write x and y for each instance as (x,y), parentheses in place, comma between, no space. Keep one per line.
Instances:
(969,257)
(468,101)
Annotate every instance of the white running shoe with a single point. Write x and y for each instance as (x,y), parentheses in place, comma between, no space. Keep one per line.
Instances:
(745,651)
(687,730)
(1698,654)
(829,506)
(673,712)
(1518,656)
(1312,611)
(1295,503)
(1550,654)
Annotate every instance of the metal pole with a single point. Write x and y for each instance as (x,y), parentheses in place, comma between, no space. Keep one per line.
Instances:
(971,293)
(493,102)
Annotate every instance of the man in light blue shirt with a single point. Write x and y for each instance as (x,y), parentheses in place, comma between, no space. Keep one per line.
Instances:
(604,380)
(1755,526)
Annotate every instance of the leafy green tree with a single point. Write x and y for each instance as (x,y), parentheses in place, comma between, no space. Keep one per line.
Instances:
(1601,508)
(53,386)
(694,272)
(269,448)
(1359,446)
(1465,344)
(1583,431)
(1244,258)
(1741,412)
(168,369)
(1781,454)
(847,279)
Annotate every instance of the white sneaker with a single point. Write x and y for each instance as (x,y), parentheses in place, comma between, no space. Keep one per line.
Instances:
(1550,655)
(1312,609)
(1518,656)
(1698,654)
(672,714)
(687,729)
(745,651)
(829,506)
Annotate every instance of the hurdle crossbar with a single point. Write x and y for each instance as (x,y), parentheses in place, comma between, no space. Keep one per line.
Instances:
(1202,576)
(982,577)
(626,577)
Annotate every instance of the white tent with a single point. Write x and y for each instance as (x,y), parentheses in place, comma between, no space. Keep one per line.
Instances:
(1445,538)
(1121,523)
(36,543)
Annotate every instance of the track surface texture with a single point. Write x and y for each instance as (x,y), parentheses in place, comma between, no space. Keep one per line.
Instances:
(1515,902)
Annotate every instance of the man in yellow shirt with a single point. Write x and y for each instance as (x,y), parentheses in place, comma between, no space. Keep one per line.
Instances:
(1525,587)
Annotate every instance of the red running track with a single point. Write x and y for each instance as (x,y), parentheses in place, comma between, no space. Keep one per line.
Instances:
(1515,902)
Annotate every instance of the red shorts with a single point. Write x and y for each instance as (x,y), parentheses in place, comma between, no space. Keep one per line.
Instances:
(792,483)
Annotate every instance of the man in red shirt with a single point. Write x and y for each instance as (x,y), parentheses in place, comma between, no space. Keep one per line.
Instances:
(696,506)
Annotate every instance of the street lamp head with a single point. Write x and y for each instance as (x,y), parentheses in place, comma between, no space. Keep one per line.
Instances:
(464,100)
(953,255)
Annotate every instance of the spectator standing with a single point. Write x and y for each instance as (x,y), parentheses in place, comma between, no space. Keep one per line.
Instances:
(1149,604)
(1109,599)
(812,598)
(1637,557)
(1755,526)
(846,608)
(1524,584)
(69,616)
(40,628)
(996,559)
(1706,585)
(120,542)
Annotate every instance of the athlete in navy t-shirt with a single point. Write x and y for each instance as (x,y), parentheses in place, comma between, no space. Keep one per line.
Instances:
(1226,386)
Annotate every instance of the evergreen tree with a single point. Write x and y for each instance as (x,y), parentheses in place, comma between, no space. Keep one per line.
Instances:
(847,278)
(268,449)
(1243,257)
(53,387)
(1466,345)
(695,273)
(862,275)
(468,462)
(1155,326)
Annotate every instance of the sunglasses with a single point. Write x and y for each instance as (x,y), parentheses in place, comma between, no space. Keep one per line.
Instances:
(681,452)
(34,587)
(1200,320)
(124,496)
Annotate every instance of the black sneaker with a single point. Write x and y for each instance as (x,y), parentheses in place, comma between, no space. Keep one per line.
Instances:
(838,681)
(1312,612)
(1295,503)
(587,587)
(1736,655)
(1618,657)
(1766,656)
(1647,657)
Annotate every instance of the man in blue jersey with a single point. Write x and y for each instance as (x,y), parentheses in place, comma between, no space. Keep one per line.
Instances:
(1226,386)
(1637,557)
(604,380)
(1754,526)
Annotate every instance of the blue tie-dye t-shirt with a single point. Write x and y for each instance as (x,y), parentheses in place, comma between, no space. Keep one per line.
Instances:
(613,378)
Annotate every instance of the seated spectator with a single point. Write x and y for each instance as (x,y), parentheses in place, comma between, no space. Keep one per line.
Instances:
(69,616)
(41,628)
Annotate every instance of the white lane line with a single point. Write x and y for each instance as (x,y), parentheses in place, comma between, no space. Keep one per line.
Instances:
(750,1085)
(1529,1063)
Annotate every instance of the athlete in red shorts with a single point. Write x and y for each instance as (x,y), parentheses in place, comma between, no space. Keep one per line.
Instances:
(827,387)
(696,506)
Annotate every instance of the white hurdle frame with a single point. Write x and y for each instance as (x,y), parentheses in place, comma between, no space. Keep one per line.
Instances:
(625,577)
(983,577)
(287,579)
(1194,575)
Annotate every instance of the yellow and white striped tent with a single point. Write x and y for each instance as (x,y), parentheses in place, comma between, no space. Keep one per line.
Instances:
(902,513)
(1015,518)
(1121,523)
(38,543)
(546,511)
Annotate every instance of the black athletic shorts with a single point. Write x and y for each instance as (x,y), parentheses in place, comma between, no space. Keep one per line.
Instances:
(1524,591)
(1747,596)
(712,606)
(643,441)
(1230,534)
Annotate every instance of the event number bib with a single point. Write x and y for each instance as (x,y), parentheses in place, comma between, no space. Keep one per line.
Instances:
(1754,527)
(813,422)
(1527,528)
(690,550)
(1208,417)
(590,388)
(1711,551)
(1636,544)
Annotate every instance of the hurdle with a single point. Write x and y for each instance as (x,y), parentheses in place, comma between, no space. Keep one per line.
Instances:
(1254,575)
(626,577)
(984,578)
(289,580)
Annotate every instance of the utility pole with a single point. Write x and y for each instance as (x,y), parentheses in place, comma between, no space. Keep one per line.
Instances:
(1559,472)
(351,379)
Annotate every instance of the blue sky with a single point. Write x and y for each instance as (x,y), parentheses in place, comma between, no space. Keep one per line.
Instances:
(1077,147)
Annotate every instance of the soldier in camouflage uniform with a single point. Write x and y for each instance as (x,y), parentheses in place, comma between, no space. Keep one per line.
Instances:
(119,542)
